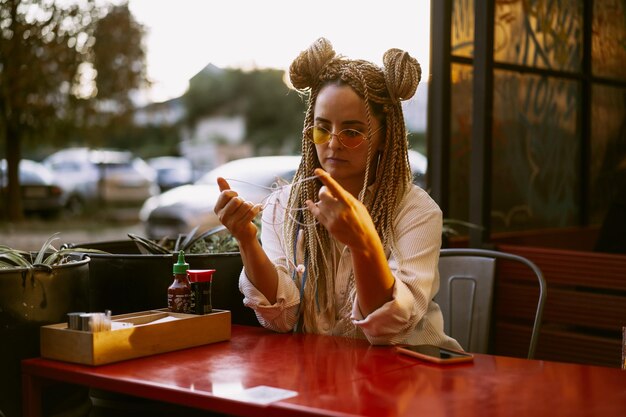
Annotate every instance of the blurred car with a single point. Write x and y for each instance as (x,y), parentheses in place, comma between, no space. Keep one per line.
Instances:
(42,192)
(103,175)
(172,171)
(419,165)
(181,209)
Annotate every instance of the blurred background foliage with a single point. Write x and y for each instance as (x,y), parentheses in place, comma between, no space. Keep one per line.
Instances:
(273,112)
(66,71)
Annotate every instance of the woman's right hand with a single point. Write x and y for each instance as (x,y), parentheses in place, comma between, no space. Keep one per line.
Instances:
(235,213)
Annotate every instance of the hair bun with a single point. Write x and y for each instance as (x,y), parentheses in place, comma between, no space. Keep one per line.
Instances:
(402,73)
(305,69)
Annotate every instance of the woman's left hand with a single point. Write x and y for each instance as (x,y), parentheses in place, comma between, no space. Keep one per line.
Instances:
(345,217)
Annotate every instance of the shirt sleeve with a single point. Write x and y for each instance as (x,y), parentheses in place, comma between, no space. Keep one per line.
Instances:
(413,263)
(282,315)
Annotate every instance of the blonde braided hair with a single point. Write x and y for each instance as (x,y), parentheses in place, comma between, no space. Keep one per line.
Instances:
(382,90)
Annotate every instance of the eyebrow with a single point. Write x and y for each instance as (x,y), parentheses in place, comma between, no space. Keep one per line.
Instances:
(343,123)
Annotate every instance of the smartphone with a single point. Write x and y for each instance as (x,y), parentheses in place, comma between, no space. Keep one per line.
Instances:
(435,354)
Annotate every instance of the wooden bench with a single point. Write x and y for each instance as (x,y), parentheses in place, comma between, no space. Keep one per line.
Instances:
(586,298)
(585,307)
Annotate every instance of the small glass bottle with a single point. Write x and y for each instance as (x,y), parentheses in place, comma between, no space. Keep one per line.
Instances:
(200,280)
(179,293)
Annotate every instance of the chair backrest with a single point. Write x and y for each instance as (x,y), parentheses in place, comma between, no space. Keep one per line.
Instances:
(466,293)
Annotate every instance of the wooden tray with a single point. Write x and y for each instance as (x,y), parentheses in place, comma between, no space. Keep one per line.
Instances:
(146,337)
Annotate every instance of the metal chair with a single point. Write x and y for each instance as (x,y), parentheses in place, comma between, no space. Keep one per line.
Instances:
(466,293)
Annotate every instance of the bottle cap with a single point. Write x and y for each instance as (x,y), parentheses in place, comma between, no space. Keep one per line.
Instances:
(181,266)
(200,275)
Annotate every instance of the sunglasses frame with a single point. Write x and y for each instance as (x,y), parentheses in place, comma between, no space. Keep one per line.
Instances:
(310,132)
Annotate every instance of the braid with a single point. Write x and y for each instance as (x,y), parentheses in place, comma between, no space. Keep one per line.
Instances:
(382,90)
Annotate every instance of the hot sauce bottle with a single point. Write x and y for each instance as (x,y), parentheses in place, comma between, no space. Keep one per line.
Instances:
(179,293)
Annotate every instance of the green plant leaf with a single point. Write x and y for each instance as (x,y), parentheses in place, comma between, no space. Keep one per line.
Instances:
(15,257)
(202,236)
(147,244)
(59,257)
(48,244)
(185,244)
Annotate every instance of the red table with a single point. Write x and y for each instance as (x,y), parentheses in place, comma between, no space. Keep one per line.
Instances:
(336,376)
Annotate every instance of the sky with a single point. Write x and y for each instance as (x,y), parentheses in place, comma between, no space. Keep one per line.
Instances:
(183,36)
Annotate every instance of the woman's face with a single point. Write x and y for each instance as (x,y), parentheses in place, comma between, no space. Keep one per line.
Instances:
(339,107)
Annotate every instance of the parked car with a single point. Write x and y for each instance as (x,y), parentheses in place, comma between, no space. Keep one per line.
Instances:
(181,209)
(109,176)
(42,192)
(172,171)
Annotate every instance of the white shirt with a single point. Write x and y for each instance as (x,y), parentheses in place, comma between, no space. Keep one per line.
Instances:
(411,316)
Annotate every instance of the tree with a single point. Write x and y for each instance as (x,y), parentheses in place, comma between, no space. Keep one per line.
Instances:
(119,63)
(273,113)
(53,77)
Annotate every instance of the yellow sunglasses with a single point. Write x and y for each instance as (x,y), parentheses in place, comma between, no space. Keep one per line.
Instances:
(350,138)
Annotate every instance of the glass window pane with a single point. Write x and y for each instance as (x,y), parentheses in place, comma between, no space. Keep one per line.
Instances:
(460,141)
(535,182)
(608,150)
(462,28)
(609,39)
(539,33)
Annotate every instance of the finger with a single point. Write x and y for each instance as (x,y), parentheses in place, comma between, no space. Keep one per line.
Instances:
(223,184)
(312,207)
(246,212)
(326,196)
(300,247)
(251,208)
(234,204)
(224,198)
(241,209)
(230,210)
(333,186)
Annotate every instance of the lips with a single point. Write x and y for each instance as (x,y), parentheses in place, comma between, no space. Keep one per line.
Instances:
(334,160)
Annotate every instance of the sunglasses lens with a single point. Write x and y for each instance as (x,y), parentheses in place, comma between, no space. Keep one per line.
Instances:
(320,135)
(351,138)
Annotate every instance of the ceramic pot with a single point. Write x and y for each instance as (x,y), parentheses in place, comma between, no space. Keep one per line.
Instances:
(30,298)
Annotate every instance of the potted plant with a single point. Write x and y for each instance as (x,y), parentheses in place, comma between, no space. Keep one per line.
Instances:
(35,289)
(134,274)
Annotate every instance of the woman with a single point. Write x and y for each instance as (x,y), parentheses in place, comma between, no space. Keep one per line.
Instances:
(351,247)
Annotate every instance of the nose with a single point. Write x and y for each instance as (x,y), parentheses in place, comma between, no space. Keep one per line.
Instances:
(334,141)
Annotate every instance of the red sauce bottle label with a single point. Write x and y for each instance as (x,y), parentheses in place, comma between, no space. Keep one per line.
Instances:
(179,295)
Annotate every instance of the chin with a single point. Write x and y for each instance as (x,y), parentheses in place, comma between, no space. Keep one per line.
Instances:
(333,170)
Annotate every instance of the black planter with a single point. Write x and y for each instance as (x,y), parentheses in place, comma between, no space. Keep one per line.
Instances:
(30,299)
(125,281)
